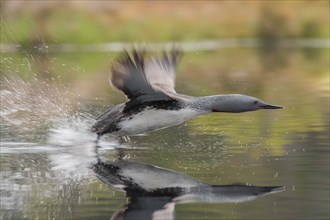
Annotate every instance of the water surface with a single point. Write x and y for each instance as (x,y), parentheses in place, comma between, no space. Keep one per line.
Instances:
(47,149)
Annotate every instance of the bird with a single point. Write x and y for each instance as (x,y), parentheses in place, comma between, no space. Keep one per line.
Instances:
(153,103)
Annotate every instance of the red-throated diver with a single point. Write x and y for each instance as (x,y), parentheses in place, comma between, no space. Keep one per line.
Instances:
(154,104)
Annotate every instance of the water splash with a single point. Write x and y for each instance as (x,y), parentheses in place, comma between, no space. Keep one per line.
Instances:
(43,115)
(38,99)
(76,147)
(43,128)
(28,108)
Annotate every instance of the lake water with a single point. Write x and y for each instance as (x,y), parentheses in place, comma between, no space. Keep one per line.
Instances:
(47,150)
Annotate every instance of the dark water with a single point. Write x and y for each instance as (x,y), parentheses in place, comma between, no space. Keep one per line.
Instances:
(47,150)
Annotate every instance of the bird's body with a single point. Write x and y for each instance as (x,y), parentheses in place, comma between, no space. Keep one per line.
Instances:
(124,119)
(153,103)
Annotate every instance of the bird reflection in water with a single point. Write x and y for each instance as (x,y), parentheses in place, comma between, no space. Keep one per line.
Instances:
(153,191)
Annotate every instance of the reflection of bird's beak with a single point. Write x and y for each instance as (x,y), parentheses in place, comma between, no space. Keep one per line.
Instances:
(272,107)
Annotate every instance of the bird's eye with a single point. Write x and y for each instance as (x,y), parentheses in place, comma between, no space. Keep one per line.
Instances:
(255,102)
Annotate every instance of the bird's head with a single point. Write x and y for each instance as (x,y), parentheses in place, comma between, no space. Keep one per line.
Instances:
(236,103)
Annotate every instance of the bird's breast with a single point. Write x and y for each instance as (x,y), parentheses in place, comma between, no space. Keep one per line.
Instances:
(151,119)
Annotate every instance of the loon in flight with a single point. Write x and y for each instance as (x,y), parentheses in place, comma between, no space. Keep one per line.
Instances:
(148,83)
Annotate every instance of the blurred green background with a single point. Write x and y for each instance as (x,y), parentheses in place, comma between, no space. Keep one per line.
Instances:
(289,66)
(32,26)
(270,70)
(37,29)
(144,21)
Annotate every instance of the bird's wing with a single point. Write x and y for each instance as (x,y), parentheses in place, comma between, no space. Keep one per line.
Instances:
(161,71)
(144,80)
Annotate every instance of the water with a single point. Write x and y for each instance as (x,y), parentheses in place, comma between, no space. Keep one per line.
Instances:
(47,150)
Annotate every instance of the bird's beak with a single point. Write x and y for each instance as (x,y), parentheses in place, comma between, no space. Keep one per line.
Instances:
(272,106)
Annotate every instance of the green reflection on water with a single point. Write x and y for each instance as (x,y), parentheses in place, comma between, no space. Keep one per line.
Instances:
(287,147)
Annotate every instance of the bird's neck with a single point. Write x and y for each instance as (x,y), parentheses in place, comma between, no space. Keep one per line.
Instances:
(206,103)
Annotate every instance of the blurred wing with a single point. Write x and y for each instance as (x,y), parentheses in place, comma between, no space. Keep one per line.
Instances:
(129,77)
(161,71)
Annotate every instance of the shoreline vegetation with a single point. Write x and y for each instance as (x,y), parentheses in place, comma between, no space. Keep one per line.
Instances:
(95,22)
